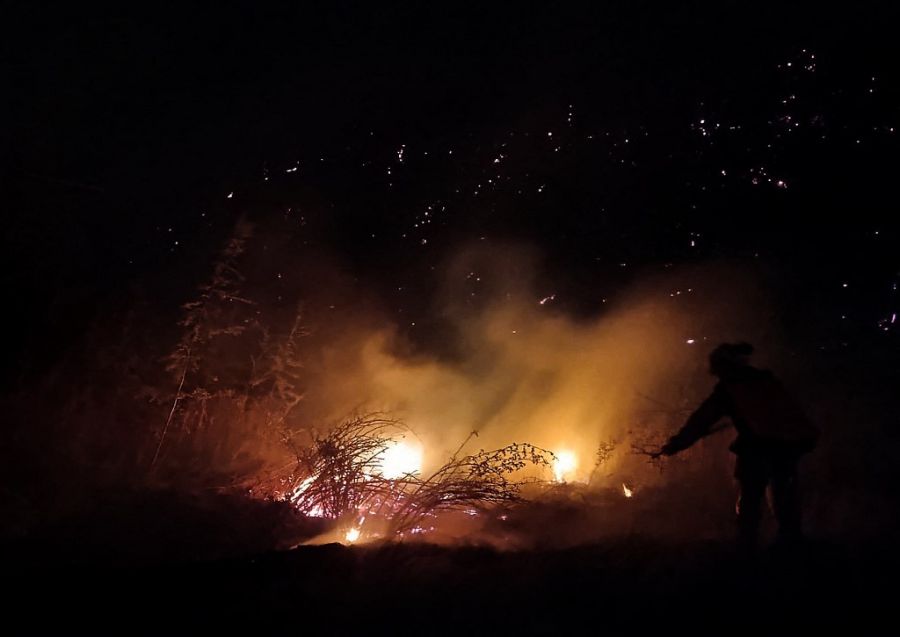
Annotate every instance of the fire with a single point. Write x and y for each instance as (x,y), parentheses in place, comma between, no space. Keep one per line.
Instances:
(564,465)
(313,511)
(401,459)
(303,486)
(628,492)
(352,535)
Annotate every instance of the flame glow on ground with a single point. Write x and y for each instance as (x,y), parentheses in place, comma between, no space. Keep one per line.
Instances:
(564,466)
(628,492)
(352,535)
(401,459)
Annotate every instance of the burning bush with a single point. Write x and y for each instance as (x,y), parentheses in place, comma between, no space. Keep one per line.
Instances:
(342,470)
(473,481)
(363,468)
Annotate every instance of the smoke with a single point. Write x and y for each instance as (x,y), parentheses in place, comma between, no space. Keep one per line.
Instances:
(497,350)
(513,369)
(494,348)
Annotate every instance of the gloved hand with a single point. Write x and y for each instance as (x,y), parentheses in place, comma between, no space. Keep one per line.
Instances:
(668,449)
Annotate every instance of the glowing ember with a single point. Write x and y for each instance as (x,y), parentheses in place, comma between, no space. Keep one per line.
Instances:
(628,492)
(564,465)
(352,535)
(401,459)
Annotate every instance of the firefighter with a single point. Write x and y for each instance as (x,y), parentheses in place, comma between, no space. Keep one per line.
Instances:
(772,434)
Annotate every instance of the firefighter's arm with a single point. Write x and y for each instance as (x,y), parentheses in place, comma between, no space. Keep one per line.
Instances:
(698,425)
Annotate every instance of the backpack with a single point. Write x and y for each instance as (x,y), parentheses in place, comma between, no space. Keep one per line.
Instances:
(771,413)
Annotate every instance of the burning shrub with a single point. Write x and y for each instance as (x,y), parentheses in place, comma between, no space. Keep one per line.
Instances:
(342,470)
(473,481)
(356,470)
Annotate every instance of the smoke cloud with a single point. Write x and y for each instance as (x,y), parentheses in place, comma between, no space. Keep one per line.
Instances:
(525,371)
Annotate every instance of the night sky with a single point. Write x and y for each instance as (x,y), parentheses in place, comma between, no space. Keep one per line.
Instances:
(620,139)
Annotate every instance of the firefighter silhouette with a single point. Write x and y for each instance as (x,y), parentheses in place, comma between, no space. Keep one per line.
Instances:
(773,433)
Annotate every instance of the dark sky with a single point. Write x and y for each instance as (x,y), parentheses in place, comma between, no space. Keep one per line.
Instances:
(120,96)
(125,121)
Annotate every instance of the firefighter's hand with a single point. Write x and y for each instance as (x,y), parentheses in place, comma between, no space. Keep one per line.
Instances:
(667,449)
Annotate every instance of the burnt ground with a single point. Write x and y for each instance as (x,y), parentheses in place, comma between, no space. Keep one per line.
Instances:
(626,586)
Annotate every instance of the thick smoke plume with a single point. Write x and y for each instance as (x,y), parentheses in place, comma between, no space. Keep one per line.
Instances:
(522,370)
